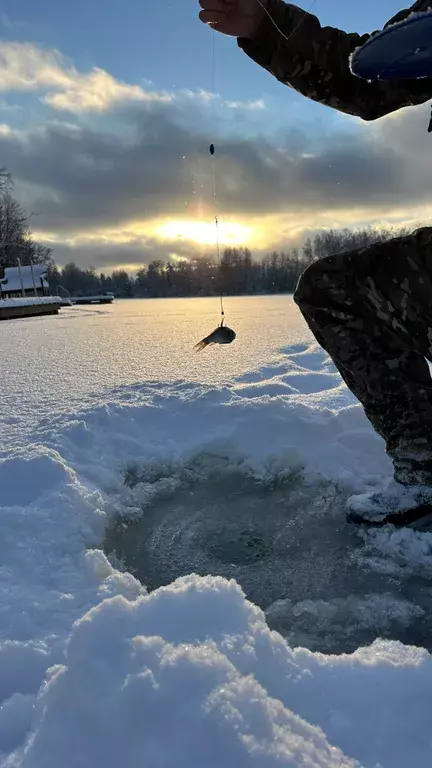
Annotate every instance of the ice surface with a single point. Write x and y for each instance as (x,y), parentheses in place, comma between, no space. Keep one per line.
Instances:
(240,476)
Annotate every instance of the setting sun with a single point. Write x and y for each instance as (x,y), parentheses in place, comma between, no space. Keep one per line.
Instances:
(204,233)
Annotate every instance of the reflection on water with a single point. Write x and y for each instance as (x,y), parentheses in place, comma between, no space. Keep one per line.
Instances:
(290,549)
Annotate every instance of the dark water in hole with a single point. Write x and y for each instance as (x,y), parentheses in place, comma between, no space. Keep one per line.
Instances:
(322,584)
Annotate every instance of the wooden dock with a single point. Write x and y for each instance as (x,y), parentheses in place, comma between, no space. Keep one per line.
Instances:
(12,309)
(102,298)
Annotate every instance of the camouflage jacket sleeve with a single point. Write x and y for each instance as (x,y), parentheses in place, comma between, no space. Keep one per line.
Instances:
(315,62)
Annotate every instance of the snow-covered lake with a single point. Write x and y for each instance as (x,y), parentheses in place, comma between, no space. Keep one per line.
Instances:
(220,477)
(85,351)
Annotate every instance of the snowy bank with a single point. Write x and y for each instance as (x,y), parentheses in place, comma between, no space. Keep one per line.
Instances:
(93,670)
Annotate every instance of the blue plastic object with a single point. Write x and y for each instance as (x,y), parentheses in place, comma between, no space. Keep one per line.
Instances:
(403,51)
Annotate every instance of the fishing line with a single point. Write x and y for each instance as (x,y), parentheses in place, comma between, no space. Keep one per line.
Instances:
(212,150)
(222,334)
(287,37)
(215,200)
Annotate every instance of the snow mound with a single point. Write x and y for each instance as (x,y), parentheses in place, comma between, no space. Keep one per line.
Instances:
(192,676)
(27,477)
(283,417)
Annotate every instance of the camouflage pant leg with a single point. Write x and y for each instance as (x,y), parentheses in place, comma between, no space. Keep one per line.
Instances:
(371,310)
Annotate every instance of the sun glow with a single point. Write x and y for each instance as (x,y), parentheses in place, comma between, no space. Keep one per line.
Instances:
(204,233)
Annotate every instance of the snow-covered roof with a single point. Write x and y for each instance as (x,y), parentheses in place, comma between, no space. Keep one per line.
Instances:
(12,280)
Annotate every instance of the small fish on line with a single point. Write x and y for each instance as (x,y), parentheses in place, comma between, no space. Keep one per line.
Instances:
(222,335)
(212,149)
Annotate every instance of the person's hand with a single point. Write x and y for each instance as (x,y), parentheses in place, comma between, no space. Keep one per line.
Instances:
(239,18)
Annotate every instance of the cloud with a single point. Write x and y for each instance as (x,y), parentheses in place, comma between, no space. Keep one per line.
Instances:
(252,104)
(148,161)
(6,130)
(25,67)
(98,91)
(158,165)
(12,25)
(129,254)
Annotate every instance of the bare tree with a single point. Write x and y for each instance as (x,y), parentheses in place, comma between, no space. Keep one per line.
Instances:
(16,240)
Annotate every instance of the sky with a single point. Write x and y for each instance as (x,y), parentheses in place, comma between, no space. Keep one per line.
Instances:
(107,111)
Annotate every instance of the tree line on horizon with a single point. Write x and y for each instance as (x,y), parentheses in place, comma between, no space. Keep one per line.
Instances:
(237,273)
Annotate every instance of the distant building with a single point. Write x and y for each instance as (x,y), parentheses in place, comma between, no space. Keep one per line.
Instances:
(12,287)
